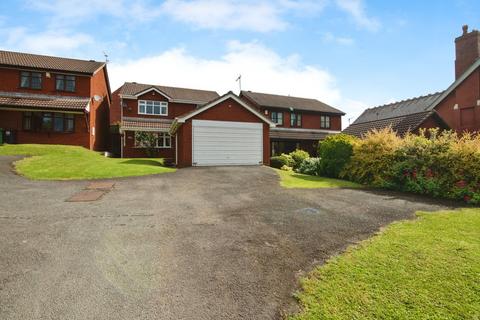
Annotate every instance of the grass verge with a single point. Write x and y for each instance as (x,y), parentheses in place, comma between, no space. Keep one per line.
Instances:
(56,162)
(290,179)
(428,268)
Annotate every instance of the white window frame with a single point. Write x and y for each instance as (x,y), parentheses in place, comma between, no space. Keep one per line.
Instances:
(164,137)
(161,105)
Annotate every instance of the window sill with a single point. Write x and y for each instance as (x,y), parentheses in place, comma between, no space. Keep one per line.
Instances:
(153,148)
(153,115)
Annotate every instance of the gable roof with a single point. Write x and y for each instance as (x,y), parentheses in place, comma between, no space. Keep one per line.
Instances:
(28,60)
(398,109)
(287,102)
(229,95)
(457,82)
(133,90)
(403,116)
(401,124)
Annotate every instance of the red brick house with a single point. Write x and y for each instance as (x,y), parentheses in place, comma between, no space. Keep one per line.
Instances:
(300,122)
(53,100)
(194,127)
(457,108)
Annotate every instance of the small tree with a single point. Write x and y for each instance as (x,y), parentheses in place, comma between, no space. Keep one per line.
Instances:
(147,140)
(335,152)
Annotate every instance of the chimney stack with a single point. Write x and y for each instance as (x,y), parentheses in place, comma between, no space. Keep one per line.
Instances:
(467,50)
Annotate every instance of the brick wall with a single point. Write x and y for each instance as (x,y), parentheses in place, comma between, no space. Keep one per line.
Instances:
(10,81)
(12,120)
(467,116)
(228,110)
(130,151)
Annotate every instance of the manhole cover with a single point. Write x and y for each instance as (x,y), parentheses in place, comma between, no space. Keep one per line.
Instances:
(308,211)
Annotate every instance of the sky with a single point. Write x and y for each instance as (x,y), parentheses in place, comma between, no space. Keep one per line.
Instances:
(351,54)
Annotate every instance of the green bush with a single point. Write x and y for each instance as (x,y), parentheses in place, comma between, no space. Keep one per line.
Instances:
(298,156)
(310,166)
(335,152)
(281,160)
(372,158)
(432,163)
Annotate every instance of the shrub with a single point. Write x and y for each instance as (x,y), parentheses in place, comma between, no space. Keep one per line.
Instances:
(335,152)
(298,156)
(310,166)
(372,158)
(286,168)
(281,160)
(432,163)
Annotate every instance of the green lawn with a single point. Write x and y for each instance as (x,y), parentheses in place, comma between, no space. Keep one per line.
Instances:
(54,162)
(290,179)
(428,268)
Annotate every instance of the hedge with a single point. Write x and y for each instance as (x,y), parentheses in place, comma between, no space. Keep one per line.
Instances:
(439,164)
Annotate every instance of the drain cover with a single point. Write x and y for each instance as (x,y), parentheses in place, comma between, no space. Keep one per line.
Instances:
(308,211)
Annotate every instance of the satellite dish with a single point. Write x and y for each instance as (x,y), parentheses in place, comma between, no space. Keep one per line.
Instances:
(97,98)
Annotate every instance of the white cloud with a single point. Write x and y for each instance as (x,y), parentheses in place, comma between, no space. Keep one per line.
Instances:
(261,16)
(261,68)
(331,38)
(211,14)
(356,9)
(48,42)
(77,11)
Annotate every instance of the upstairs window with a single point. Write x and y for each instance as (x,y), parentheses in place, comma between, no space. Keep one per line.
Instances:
(277,117)
(295,120)
(157,108)
(65,83)
(30,80)
(325,122)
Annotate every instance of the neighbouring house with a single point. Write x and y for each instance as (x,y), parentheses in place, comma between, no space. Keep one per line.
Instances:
(300,122)
(193,127)
(53,100)
(457,108)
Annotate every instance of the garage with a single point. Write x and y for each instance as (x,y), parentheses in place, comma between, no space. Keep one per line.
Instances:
(226,131)
(226,143)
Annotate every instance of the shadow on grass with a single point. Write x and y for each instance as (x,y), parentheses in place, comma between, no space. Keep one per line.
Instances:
(144,162)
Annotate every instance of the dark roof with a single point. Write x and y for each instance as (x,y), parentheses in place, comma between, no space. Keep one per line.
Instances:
(278,133)
(401,125)
(403,116)
(28,60)
(194,95)
(287,102)
(398,109)
(42,101)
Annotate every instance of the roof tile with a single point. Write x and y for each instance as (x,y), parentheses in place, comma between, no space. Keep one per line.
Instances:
(28,60)
(401,125)
(194,95)
(42,101)
(286,102)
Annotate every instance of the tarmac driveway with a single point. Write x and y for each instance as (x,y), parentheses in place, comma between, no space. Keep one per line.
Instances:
(201,243)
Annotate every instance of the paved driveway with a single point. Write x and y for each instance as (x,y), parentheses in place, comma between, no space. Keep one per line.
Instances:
(201,243)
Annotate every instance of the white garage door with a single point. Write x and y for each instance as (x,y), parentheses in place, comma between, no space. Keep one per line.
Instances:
(226,143)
